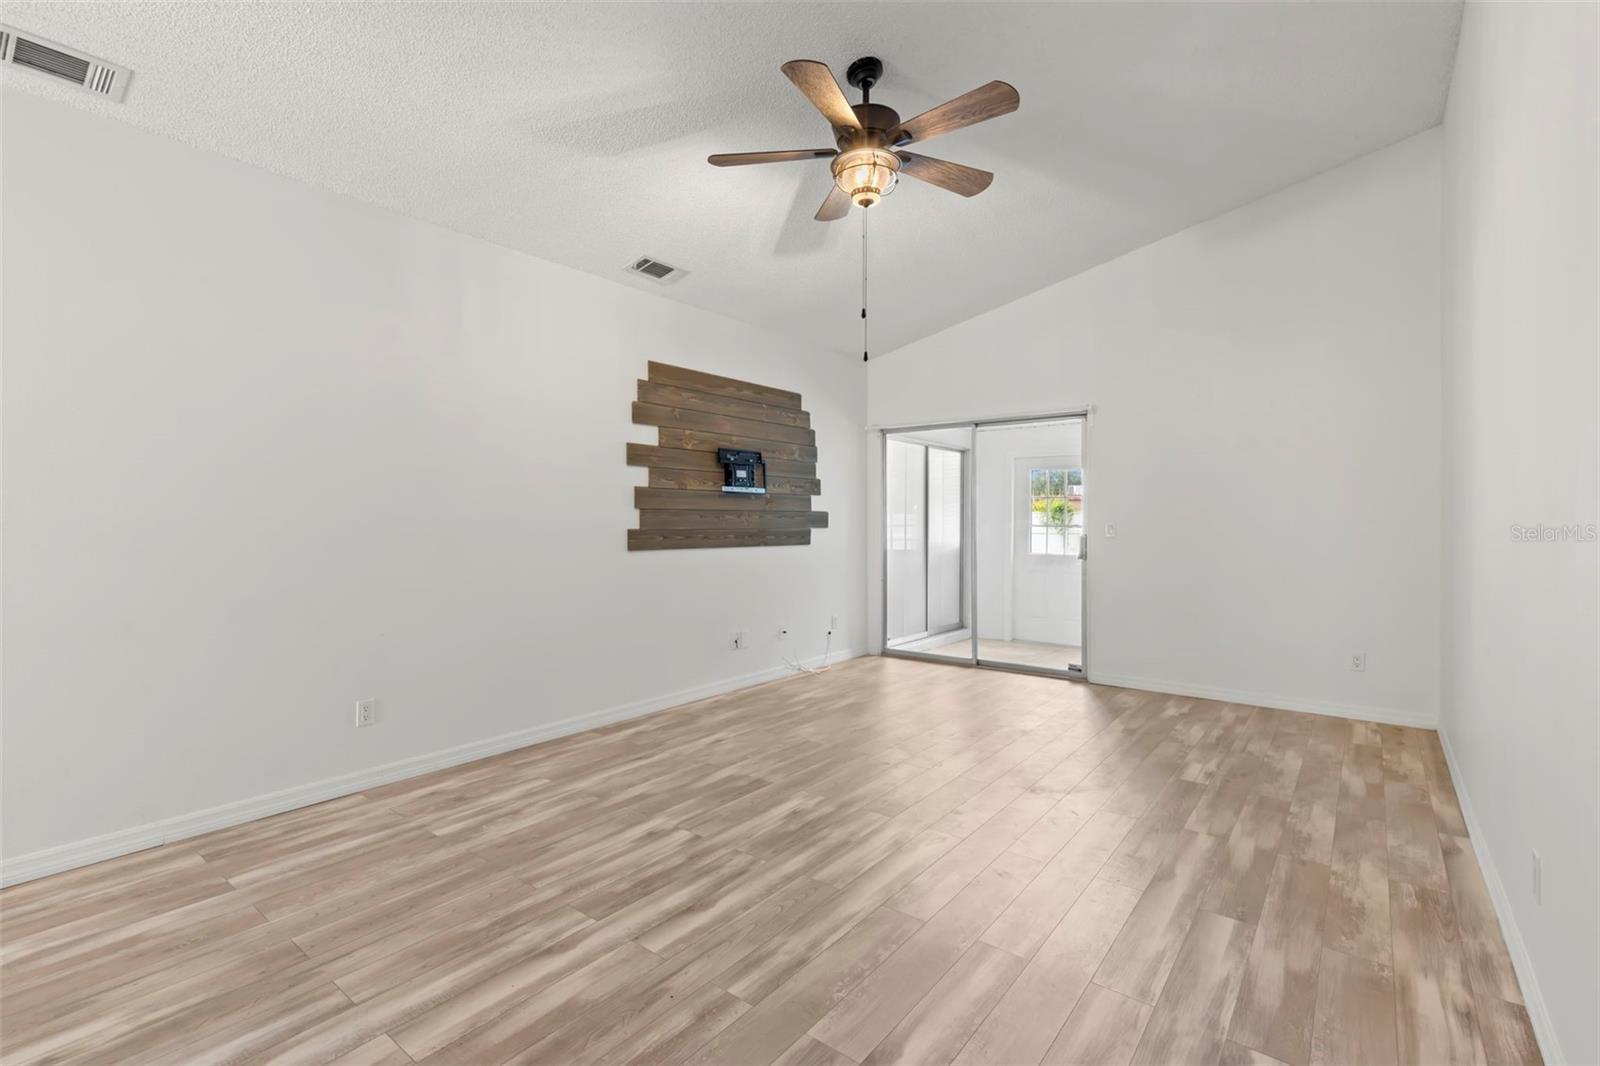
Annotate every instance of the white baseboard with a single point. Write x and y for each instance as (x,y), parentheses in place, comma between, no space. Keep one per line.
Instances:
(1521,961)
(1386,715)
(125,841)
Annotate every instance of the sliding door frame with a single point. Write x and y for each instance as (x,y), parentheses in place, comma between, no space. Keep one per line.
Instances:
(969,521)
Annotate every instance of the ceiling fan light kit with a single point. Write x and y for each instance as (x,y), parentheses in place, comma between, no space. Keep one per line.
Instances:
(866,174)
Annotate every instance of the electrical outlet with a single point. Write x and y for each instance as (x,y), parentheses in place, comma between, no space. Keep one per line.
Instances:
(1538,878)
(738,641)
(366,713)
(833,622)
(783,632)
(1111,531)
(1358,660)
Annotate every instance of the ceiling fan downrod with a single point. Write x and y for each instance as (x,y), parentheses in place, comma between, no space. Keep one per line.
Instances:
(863,74)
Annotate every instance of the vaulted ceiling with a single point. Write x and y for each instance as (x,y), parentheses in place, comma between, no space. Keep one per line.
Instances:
(578,132)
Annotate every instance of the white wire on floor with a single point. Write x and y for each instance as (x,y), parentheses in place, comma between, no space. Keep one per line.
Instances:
(802,668)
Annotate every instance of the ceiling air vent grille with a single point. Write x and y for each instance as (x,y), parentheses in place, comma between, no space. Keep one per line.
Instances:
(655,269)
(22,49)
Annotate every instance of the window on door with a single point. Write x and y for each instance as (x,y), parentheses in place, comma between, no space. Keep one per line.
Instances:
(1056,510)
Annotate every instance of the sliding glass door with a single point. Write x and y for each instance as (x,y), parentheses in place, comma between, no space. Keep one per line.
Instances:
(925,543)
(1031,548)
(984,544)
(906,558)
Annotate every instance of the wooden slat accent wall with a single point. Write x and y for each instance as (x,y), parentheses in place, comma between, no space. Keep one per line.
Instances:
(683,506)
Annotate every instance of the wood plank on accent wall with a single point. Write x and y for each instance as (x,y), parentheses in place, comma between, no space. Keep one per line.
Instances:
(679,459)
(720,386)
(733,519)
(698,440)
(705,481)
(676,396)
(646,540)
(649,414)
(647,499)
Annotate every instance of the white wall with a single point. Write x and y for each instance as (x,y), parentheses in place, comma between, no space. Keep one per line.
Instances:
(1521,700)
(1265,437)
(268,450)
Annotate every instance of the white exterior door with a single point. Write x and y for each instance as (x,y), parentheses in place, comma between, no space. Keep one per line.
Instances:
(1046,548)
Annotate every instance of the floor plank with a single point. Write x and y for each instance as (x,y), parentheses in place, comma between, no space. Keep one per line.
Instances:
(1415,856)
(1507,1032)
(1041,905)
(1354,1013)
(1240,886)
(865,1016)
(1277,1000)
(1026,1021)
(781,1018)
(945,1019)
(1142,956)
(1434,1005)
(1104,1029)
(1488,962)
(1189,1023)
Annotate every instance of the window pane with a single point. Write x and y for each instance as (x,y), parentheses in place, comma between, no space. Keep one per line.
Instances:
(1075,476)
(1058,482)
(1037,544)
(1037,482)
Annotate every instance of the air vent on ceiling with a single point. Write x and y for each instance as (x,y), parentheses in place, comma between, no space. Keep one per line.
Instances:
(23,49)
(655,269)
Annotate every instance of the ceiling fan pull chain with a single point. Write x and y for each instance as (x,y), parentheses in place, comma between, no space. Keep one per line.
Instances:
(864,345)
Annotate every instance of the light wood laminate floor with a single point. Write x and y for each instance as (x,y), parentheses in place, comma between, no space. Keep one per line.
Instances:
(893,861)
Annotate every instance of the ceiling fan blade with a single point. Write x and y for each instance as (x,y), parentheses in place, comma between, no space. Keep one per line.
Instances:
(742,159)
(985,102)
(822,89)
(835,207)
(968,181)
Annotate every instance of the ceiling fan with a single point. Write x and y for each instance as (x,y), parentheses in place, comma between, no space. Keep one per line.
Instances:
(868,160)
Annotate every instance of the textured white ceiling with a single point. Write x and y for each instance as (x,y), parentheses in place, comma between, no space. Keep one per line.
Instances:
(578,132)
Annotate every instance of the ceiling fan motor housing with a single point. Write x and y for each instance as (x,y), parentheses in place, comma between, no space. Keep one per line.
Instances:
(876,122)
